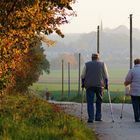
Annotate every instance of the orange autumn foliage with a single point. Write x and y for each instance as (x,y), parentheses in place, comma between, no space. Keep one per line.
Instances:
(21,21)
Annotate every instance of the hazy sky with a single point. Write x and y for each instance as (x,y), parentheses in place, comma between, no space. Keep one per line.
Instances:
(112,13)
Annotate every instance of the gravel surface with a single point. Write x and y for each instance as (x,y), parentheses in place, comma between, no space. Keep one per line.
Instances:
(120,129)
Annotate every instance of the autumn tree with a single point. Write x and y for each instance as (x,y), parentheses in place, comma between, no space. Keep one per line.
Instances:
(30,68)
(21,21)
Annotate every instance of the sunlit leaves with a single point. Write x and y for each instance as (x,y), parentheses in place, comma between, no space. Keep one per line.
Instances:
(21,21)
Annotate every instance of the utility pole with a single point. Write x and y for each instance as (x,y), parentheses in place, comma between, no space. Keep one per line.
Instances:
(98,39)
(131,59)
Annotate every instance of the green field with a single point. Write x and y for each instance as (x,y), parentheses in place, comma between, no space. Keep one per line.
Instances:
(53,82)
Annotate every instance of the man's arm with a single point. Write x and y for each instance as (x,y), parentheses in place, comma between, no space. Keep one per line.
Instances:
(106,76)
(83,76)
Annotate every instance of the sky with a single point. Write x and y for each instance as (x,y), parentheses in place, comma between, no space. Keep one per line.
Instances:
(112,13)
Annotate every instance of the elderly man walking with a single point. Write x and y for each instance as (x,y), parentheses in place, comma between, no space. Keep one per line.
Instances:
(94,79)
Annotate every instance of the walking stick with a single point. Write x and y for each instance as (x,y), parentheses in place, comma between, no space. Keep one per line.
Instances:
(127,92)
(111,110)
(82,96)
(122,107)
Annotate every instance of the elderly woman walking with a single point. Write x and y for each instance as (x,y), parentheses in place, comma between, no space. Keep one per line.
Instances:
(133,79)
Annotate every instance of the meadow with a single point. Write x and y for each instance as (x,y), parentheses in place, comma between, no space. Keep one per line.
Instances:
(53,83)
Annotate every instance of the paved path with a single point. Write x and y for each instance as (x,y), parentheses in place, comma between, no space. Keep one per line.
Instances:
(121,129)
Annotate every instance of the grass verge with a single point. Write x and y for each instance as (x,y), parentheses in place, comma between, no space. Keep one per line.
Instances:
(31,118)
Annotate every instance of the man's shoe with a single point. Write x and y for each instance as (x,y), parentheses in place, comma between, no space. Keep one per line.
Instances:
(99,120)
(89,121)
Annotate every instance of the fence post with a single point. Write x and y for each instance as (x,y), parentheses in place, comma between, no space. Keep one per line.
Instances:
(68,79)
(79,77)
(62,78)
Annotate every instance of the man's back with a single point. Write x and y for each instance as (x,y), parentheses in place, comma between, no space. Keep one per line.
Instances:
(95,74)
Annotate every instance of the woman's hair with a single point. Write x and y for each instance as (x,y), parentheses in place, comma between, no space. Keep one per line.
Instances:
(137,61)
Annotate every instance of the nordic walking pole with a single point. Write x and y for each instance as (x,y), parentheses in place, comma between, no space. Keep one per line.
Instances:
(127,92)
(82,96)
(111,110)
(122,107)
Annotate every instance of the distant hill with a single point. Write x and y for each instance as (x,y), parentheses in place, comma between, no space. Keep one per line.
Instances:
(114,45)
